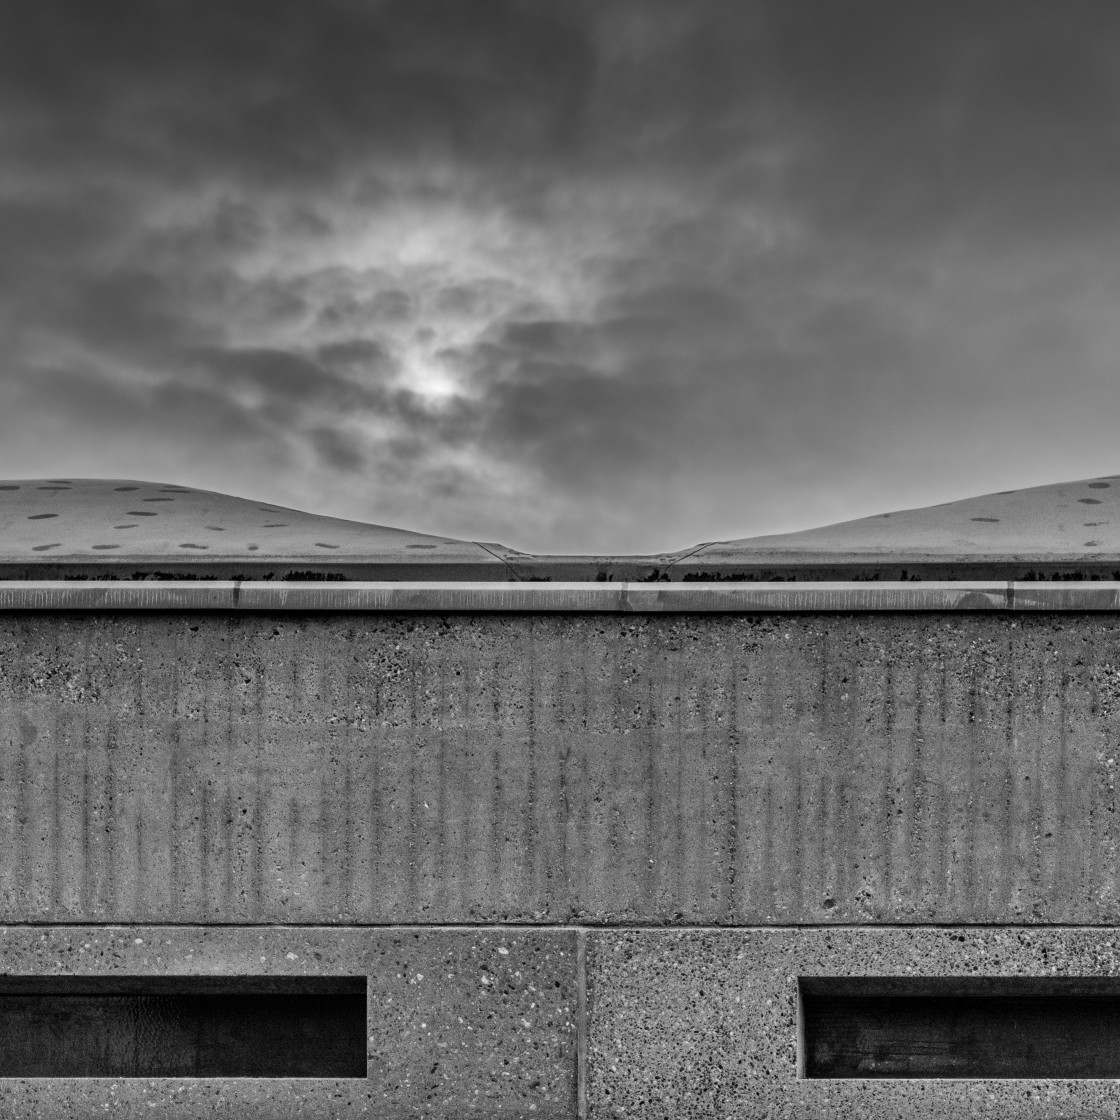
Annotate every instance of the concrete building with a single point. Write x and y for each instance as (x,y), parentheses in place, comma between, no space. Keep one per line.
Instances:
(301,817)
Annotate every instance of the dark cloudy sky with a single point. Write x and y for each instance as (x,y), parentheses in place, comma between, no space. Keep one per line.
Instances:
(572,275)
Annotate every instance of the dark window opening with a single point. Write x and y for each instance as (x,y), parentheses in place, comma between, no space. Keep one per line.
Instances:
(953,1027)
(182,1026)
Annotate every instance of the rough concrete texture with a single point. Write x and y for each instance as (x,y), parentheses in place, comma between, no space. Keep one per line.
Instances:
(461,1022)
(704,1023)
(707,770)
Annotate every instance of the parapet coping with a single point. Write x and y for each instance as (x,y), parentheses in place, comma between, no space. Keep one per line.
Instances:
(604,597)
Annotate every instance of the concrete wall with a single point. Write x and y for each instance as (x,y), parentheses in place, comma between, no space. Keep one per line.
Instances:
(460,1021)
(689,1024)
(722,769)
(570,784)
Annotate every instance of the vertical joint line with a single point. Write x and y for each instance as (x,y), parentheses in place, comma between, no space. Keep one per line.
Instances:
(581,1024)
(513,576)
(800,1042)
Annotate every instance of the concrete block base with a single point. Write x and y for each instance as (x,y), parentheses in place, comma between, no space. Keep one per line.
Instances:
(460,1021)
(686,1024)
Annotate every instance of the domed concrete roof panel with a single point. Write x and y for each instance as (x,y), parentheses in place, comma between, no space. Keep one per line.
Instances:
(62,523)
(1068,523)
(124,529)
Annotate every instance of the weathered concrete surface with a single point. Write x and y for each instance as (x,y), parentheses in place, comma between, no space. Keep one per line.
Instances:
(690,1024)
(119,529)
(619,597)
(1065,522)
(125,529)
(719,769)
(461,1022)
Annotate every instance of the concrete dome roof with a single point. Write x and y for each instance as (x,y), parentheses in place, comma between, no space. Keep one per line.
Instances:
(157,526)
(119,528)
(1069,524)
(1065,519)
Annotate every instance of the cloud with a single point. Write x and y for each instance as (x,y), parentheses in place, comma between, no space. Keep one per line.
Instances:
(613,275)
(261,89)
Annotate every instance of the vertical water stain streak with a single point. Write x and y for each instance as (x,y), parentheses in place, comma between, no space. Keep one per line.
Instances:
(742,769)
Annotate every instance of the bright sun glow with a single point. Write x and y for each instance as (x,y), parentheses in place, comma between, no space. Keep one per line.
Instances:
(428,282)
(424,372)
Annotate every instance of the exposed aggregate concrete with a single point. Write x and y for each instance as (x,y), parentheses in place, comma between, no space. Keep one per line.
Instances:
(693,1024)
(460,1021)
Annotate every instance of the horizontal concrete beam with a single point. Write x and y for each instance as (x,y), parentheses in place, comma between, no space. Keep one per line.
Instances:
(687,597)
(767,769)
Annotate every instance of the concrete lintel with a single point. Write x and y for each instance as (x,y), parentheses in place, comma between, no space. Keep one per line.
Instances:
(244,595)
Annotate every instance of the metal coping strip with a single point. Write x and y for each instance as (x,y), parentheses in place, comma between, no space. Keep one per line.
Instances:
(246,595)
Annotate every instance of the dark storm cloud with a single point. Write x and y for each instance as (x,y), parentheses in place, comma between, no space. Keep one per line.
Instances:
(337,451)
(981,119)
(565,273)
(264,88)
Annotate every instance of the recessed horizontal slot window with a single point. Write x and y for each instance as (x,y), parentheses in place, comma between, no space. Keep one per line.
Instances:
(953,1027)
(182,1026)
